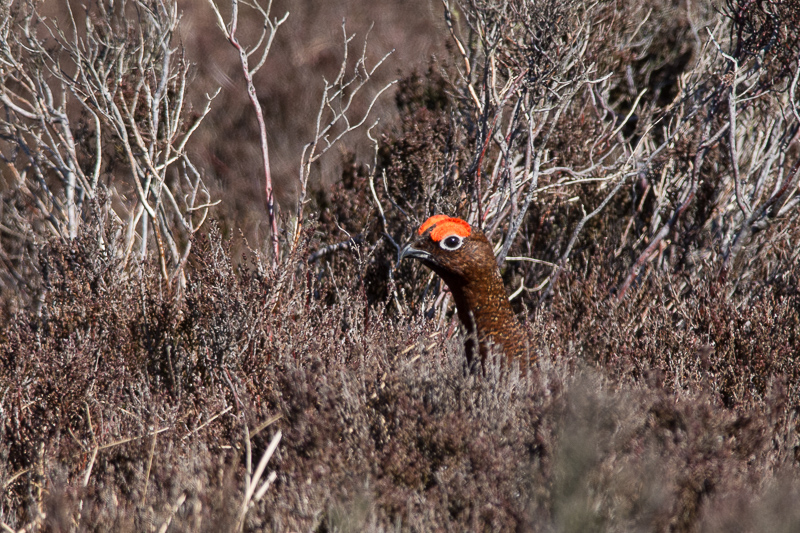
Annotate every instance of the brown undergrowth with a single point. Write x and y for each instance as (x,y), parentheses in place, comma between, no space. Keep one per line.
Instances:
(123,408)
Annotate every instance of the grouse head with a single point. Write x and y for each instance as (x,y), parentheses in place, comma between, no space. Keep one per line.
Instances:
(463,257)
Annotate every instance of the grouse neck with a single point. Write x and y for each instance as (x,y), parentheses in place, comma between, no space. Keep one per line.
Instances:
(486,313)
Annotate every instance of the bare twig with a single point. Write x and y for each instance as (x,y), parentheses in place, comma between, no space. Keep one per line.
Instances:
(270,29)
(334,108)
(254,492)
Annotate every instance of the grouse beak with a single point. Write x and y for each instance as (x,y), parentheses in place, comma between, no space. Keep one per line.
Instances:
(410,251)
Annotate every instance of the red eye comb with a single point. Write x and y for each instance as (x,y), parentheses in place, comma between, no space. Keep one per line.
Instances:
(444,226)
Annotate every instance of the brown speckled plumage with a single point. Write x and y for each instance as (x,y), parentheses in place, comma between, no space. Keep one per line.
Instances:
(471,273)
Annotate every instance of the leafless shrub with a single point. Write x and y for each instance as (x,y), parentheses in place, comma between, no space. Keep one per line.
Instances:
(543,117)
(101,103)
(334,119)
(736,113)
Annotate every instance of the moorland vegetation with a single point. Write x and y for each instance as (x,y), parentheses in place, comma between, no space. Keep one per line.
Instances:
(203,326)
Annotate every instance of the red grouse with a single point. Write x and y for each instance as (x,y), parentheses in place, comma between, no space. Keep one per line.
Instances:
(462,256)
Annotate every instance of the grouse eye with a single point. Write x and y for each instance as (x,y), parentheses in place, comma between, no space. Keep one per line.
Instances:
(451,243)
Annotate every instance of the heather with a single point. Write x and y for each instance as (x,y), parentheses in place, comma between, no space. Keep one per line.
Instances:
(174,356)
